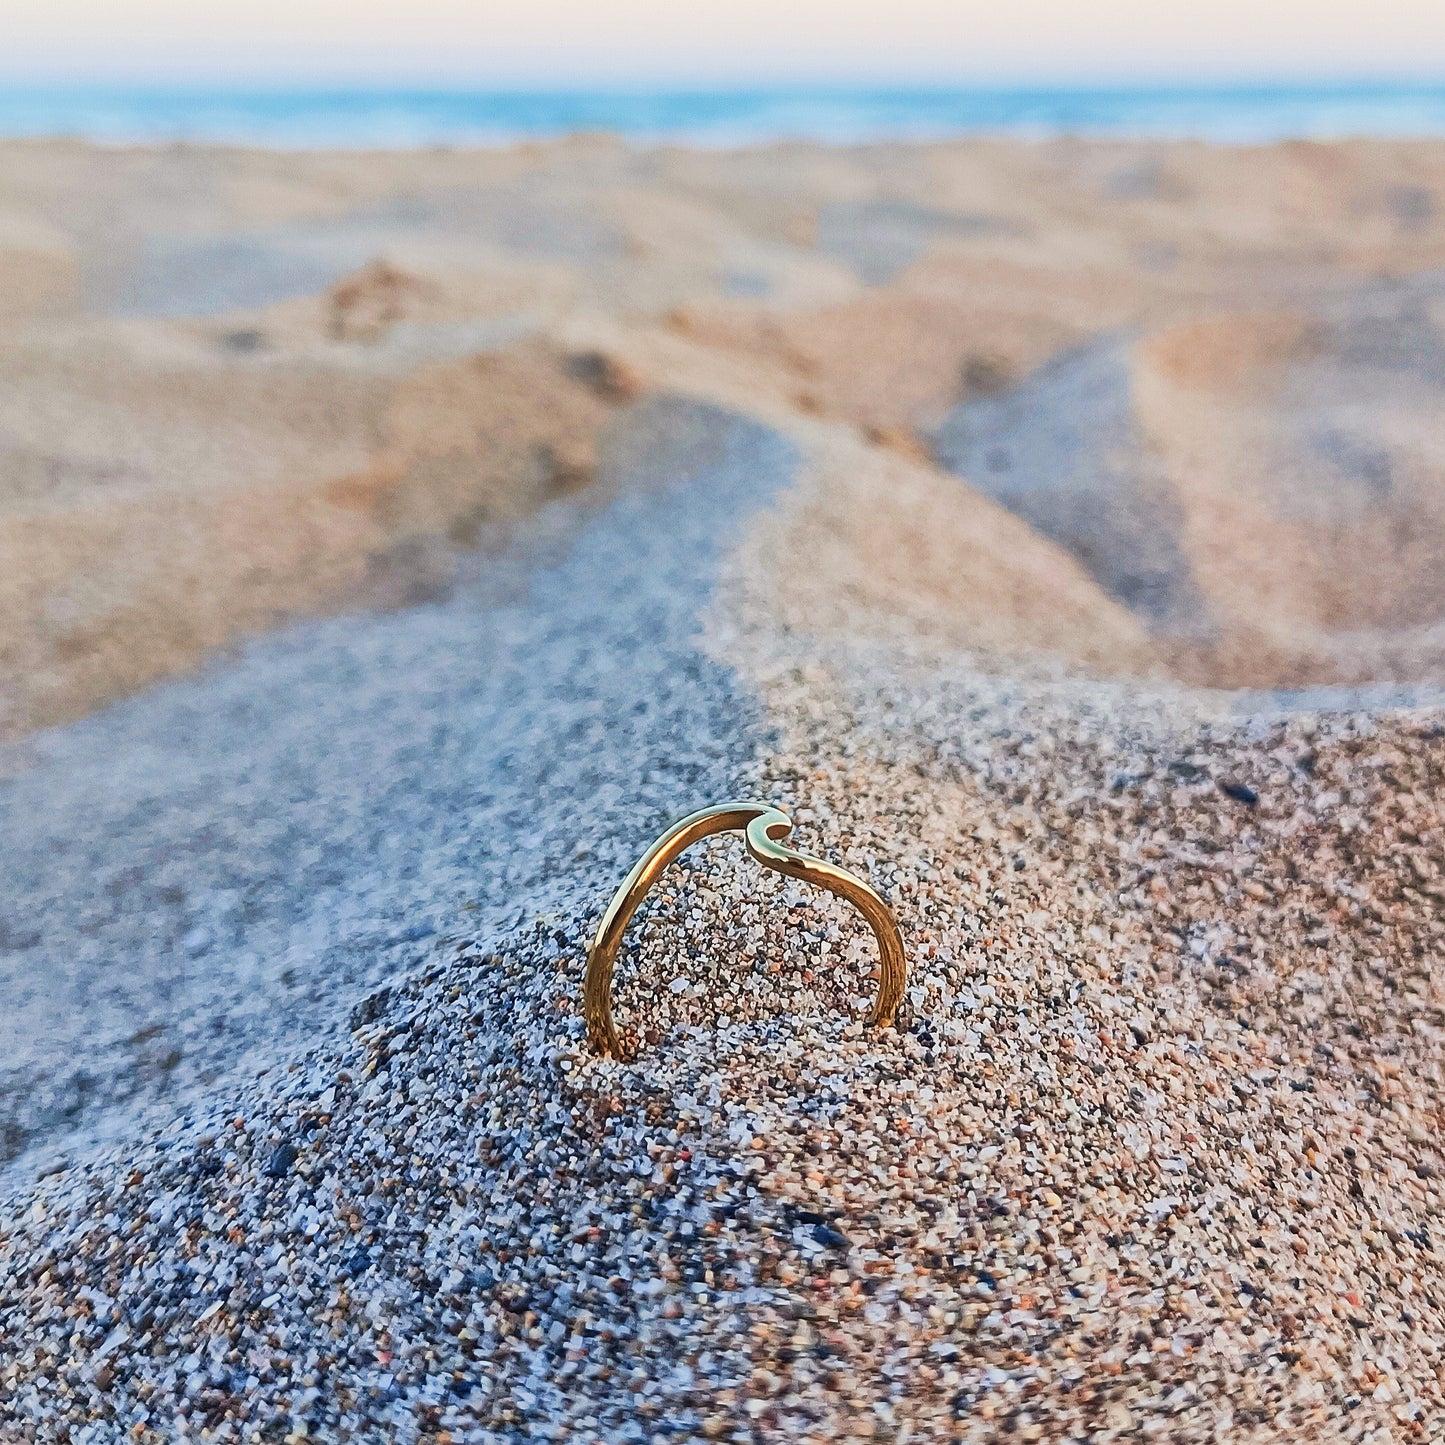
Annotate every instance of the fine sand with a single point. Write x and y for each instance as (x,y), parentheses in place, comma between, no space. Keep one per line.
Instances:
(239,387)
(1058,531)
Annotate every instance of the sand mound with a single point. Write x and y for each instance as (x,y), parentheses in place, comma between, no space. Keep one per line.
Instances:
(190,505)
(1153,1149)
(874,544)
(1309,467)
(893,360)
(1266,493)
(1065,451)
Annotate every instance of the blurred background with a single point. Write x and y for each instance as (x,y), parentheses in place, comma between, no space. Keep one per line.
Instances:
(440,72)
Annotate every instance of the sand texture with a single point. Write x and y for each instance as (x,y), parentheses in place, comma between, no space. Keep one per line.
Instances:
(390,545)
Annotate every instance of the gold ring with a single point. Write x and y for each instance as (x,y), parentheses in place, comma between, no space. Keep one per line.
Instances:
(761,826)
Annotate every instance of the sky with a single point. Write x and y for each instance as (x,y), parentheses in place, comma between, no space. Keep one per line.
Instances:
(649,42)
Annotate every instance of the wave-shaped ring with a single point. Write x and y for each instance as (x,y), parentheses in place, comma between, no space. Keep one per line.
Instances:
(761,826)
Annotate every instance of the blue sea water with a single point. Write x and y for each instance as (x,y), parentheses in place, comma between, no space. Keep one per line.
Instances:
(401,118)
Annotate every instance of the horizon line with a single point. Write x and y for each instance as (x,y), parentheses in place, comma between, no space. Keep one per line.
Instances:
(524,84)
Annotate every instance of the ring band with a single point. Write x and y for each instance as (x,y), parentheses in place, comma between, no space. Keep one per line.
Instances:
(761,826)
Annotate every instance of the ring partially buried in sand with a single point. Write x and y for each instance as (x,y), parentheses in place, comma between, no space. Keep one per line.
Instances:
(761,826)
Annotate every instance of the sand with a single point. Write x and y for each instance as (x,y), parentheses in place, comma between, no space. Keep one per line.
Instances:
(1237,353)
(403,540)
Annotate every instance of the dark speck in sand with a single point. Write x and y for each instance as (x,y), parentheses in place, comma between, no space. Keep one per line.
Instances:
(282,1161)
(371,1008)
(1240,792)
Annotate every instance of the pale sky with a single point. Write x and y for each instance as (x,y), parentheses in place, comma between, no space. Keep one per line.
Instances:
(694,41)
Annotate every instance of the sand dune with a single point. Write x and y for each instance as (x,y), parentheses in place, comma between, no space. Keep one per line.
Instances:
(162,506)
(1263,491)
(402,540)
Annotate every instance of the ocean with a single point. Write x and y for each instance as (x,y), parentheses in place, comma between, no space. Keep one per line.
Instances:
(387,118)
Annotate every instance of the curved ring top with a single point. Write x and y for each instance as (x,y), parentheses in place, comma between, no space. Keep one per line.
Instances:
(762,826)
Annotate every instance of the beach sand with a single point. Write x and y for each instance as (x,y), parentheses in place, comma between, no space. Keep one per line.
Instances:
(391,544)
(243,387)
